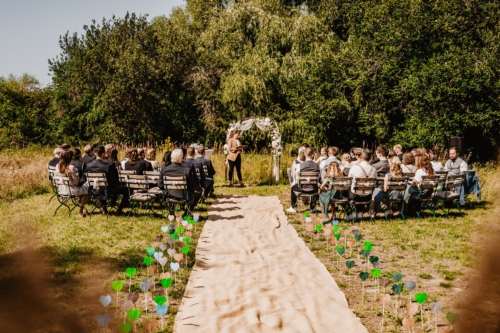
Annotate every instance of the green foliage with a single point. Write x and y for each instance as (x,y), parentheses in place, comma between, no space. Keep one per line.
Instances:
(328,71)
(24,115)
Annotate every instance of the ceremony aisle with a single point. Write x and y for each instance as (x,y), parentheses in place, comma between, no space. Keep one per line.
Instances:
(253,273)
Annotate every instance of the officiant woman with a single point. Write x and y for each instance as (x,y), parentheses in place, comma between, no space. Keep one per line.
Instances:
(234,157)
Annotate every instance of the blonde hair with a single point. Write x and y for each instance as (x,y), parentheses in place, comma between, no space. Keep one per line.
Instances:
(395,166)
(334,170)
(346,157)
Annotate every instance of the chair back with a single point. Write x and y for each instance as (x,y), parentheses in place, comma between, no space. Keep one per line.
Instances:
(60,179)
(342,183)
(453,182)
(380,181)
(122,175)
(397,184)
(442,175)
(307,178)
(410,176)
(364,184)
(175,183)
(137,182)
(152,177)
(97,179)
(429,182)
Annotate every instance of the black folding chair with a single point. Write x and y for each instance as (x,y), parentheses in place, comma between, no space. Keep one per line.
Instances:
(51,170)
(98,193)
(306,178)
(175,183)
(366,185)
(449,195)
(396,184)
(140,197)
(64,198)
(425,198)
(343,186)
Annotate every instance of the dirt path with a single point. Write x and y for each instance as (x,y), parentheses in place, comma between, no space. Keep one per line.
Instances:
(254,274)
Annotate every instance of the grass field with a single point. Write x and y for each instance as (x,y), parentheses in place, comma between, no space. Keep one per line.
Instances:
(78,258)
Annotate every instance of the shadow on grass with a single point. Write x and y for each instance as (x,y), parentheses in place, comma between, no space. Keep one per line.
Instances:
(29,298)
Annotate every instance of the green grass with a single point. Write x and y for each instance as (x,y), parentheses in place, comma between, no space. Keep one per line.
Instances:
(83,256)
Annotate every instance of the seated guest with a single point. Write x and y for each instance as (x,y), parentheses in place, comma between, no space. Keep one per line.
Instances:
(176,169)
(380,194)
(455,165)
(353,154)
(210,171)
(125,159)
(74,188)
(408,165)
(346,163)
(113,157)
(362,170)
(323,155)
(332,157)
(326,192)
(197,165)
(398,149)
(102,165)
(166,161)
(142,156)
(436,165)
(424,168)
(357,153)
(134,163)
(57,155)
(79,165)
(307,166)
(109,147)
(151,159)
(382,165)
(300,158)
(89,153)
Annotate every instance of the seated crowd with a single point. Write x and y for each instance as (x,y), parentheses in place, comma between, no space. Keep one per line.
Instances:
(104,160)
(359,165)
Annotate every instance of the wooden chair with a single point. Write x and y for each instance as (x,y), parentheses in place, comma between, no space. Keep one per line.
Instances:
(343,185)
(396,184)
(138,186)
(425,198)
(51,170)
(443,175)
(307,178)
(60,180)
(98,193)
(449,195)
(175,183)
(122,176)
(366,185)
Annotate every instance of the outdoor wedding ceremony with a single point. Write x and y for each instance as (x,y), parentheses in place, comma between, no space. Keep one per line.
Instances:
(250,166)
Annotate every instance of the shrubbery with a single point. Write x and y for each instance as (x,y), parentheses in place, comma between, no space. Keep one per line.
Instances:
(329,71)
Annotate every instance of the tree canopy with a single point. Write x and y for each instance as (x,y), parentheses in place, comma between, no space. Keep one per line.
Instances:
(328,71)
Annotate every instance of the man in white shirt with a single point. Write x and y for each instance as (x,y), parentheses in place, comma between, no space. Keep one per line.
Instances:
(361,170)
(332,157)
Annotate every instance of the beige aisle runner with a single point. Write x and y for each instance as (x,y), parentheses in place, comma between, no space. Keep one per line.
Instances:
(254,274)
